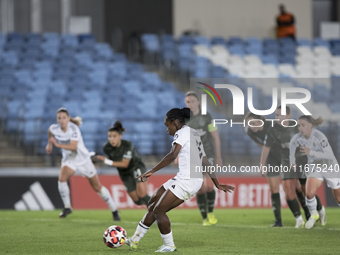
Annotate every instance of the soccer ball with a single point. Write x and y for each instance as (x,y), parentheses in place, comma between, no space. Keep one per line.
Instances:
(114,236)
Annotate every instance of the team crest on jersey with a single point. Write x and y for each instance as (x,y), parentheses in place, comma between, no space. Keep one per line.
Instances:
(324,143)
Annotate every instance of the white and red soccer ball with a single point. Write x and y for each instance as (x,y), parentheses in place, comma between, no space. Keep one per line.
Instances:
(114,236)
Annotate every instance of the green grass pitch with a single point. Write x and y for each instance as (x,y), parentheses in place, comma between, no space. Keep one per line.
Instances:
(238,231)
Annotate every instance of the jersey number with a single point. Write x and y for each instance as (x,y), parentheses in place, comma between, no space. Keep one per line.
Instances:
(199,147)
(137,173)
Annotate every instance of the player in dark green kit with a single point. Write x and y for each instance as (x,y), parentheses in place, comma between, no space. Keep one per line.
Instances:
(257,130)
(281,134)
(122,155)
(205,197)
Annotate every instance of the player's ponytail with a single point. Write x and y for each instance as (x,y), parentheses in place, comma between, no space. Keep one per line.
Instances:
(76,120)
(118,127)
(315,122)
(185,112)
(178,114)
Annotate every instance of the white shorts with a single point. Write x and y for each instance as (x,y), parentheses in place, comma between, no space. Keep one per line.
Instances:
(333,183)
(183,189)
(87,169)
(332,179)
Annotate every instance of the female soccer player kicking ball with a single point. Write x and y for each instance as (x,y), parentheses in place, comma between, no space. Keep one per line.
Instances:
(205,197)
(188,147)
(66,135)
(122,155)
(322,164)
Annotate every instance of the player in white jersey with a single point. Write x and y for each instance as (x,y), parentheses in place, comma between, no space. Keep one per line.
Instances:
(188,147)
(322,164)
(67,136)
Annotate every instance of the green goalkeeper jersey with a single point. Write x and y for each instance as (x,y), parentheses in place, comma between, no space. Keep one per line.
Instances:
(126,150)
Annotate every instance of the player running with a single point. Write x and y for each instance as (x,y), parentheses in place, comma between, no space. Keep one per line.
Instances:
(76,158)
(205,197)
(122,155)
(188,147)
(280,134)
(322,165)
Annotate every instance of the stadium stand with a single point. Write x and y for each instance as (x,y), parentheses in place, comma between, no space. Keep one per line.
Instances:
(313,64)
(40,73)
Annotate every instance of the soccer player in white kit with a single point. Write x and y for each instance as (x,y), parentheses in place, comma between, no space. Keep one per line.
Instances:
(67,136)
(322,164)
(188,147)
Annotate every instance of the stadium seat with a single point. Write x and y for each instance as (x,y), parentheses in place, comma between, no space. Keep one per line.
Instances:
(150,42)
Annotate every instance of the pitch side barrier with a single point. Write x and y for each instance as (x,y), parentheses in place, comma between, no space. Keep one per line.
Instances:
(37,189)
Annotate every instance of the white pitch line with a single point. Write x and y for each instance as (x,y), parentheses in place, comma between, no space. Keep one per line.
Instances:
(172,223)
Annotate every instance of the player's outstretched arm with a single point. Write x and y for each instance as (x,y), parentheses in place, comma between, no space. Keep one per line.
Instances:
(224,187)
(167,160)
(123,163)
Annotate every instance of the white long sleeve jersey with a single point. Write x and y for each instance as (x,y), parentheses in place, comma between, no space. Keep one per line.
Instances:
(320,149)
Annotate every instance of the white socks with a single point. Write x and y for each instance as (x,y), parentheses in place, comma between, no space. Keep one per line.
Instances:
(64,192)
(65,196)
(311,204)
(105,195)
(140,232)
(298,218)
(168,239)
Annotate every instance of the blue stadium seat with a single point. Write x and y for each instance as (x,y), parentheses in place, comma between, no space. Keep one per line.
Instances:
(321,42)
(151,79)
(50,36)
(86,38)
(201,40)
(185,39)
(234,40)
(34,111)
(304,42)
(218,72)
(218,40)
(150,42)
(32,129)
(269,59)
